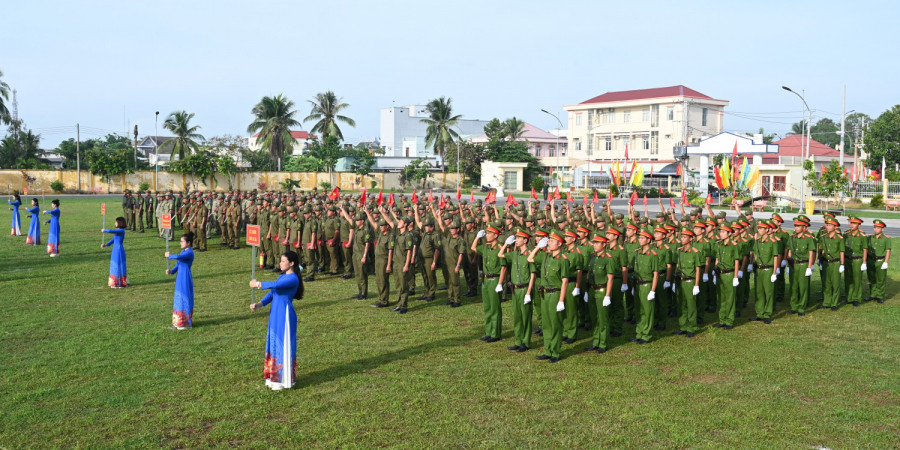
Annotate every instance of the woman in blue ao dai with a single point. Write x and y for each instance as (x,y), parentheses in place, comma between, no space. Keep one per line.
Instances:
(53,235)
(15,203)
(34,228)
(118,270)
(183,307)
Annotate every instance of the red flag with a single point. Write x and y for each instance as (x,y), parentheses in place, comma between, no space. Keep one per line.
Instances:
(651,170)
(823,167)
(709,199)
(660,190)
(442,203)
(845,172)
(595,199)
(671,202)
(683,196)
(718,177)
(645,199)
(609,197)
(380,199)
(613,176)
(569,198)
(415,198)
(549,197)
(458,193)
(626,153)
(633,167)
(734,194)
(362,198)
(510,200)
(335,193)
(430,196)
(551,171)
(391,200)
(491,197)
(471,197)
(556,195)
(678,170)
(734,152)
(533,194)
(633,198)
(585,198)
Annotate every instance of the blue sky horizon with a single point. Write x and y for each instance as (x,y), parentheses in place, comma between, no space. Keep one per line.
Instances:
(110,66)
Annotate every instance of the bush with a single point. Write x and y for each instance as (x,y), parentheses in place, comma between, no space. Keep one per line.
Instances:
(614,189)
(144,186)
(261,186)
(57,186)
(373,183)
(288,184)
(877,201)
(326,186)
(537,183)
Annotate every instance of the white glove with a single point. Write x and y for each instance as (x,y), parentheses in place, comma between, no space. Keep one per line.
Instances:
(527,299)
(696,290)
(651,296)
(863,267)
(542,243)
(841,269)
(666,285)
(576,292)
(740,274)
(499,288)
(777,271)
(819,265)
(632,291)
(783,262)
(673,287)
(480,234)
(624,288)
(749,268)
(884,265)
(809,271)
(705,277)
(715,280)
(607,301)
(774,277)
(510,240)
(560,306)
(787,272)
(735,282)
(585,297)
(299,268)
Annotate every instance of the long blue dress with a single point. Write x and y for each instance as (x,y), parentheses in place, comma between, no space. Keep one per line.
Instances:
(34,228)
(183,308)
(53,235)
(16,219)
(118,270)
(281,338)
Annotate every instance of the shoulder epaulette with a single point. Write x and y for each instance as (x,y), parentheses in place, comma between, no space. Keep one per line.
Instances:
(563,256)
(653,252)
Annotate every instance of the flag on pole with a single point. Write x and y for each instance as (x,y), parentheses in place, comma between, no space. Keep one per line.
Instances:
(678,170)
(645,199)
(709,199)
(335,193)
(638,178)
(458,193)
(415,198)
(556,195)
(362,197)
(430,196)
(380,199)
(609,196)
(683,196)
(472,197)
(671,202)
(442,203)
(391,200)
(595,199)
(651,170)
(491,197)
(754,178)
(634,168)
(633,198)
(718,178)
(534,194)
(569,198)
(626,153)
(585,198)
(510,200)
(660,190)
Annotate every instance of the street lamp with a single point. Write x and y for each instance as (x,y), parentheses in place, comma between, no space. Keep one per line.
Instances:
(806,126)
(558,151)
(458,139)
(156,152)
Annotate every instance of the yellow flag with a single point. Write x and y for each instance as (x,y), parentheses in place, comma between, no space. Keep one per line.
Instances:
(638,178)
(754,178)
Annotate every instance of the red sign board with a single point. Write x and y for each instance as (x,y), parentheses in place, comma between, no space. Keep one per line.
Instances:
(253,235)
(103,209)
(166,222)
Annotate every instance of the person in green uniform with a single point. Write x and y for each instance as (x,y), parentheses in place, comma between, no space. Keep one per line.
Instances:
(520,277)
(383,253)
(573,295)
(361,238)
(200,216)
(586,310)
(831,253)
(262,219)
(742,293)
(688,270)
(234,224)
(471,262)
(537,294)
(619,256)
(857,246)
(430,256)
(801,254)
(702,244)
(454,251)
(781,234)
(493,269)
(139,211)
(879,254)
(346,244)
(712,238)
(332,236)
(598,277)
(648,268)
(767,250)
(309,240)
(554,268)
(401,261)
(631,248)
(728,263)
(664,294)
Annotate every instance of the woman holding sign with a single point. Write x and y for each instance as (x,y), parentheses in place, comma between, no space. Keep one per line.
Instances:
(53,235)
(118,271)
(34,228)
(183,307)
(15,203)
(281,339)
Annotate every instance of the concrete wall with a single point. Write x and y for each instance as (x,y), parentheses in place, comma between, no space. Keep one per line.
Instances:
(37,180)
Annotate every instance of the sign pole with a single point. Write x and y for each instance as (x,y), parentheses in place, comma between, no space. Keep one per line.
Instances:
(253,272)
(103,214)
(167,225)
(252,237)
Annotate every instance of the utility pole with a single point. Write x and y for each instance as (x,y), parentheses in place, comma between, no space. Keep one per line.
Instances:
(135,145)
(78,153)
(843,120)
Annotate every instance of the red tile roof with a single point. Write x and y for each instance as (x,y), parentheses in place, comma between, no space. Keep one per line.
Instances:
(791,146)
(671,91)
(299,135)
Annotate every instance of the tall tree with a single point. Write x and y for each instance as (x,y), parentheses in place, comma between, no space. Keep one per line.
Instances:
(179,124)
(274,118)
(515,128)
(440,120)
(326,108)
(4,96)
(883,139)
(798,128)
(826,131)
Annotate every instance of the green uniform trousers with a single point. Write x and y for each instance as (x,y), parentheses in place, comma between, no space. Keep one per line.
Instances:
(687,305)
(780,288)
(382,281)
(538,299)
(452,282)
(570,316)
(522,317)
(726,293)
(552,324)
(831,284)
(661,303)
(347,258)
(362,277)
(334,258)
(616,311)
(493,314)
(646,310)
(429,276)
(140,220)
(631,313)
(601,318)
(799,288)
(765,293)
(877,278)
(853,279)
(712,294)
(401,279)
(312,262)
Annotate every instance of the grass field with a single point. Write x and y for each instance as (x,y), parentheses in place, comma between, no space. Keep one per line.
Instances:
(84,365)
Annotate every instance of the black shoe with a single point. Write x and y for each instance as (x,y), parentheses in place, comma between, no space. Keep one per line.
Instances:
(718,325)
(522,348)
(591,348)
(542,357)
(659,327)
(834,308)
(492,339)
(688,334)
(568,341)
(310,279)
(448,302)
(429,299)
(540,333)
(455,305)
(855,303)
(554,359)
(514,348)
(484,338)
(402,311)
(737,313)
(641,342)
(276,270)
(615,333)
(767,321)
(729,327)
(141,231)
(355,297)
(679,332)
(801,314)
(396,308)
(633,340)
(536,331)
(422,297)
(601,350)
(700,321)
(379,305)
(469,294)
(792,312)
(880,300)
(754,319)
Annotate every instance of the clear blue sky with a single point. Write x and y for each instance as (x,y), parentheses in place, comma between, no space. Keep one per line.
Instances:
(108,64)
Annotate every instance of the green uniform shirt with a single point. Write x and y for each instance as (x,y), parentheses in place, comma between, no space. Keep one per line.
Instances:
(765,250)
(647,262)
(520,269)
(800,245)
(309,228)
(429,243)
(452,248)
(553,269)
(402,243)
(832,247)
(360,237)
(726,254)
(878,246)
(598,269)
(490,261)
(383,243)
(689,261)
(855,243)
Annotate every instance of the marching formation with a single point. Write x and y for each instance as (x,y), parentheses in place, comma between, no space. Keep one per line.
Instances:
(34,228)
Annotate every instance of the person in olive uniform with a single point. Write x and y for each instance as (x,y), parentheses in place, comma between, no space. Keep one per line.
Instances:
(767,250)
(689,268)
(346,245)
(801,255)
(831,253)
(554,270)
(401,261)
(599,279)
(648,266)
(309,240)
(332,236)
(493,269)
(361,236)
(383,241)
(620,277)
(879,254)
(454,249)
(728,263)
(139,211)
(521,276)
(430,251)
(857,246)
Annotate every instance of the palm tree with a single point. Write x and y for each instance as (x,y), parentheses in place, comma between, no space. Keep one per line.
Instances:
(274,118)
(441,118)
(178,123)
(515,128)
(326,108)
(4,95)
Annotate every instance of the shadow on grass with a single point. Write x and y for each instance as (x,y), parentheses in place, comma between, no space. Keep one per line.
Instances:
(224,320)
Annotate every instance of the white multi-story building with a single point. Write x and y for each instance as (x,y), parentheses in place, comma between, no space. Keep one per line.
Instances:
(653,124)
(403,132)
(302,140)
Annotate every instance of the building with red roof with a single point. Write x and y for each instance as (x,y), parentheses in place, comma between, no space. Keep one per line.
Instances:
(302,140)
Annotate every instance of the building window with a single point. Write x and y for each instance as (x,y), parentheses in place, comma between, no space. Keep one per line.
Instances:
(670,113)
(626,116)
(704,116)
(611,115)
(779,183)
(577,145)
(654,142)
(578,119)
(645,144)
(590,146)
(537,151)
(590,118)
(645,115)
(509,180)
(562,149)
(608,145)
(552,151)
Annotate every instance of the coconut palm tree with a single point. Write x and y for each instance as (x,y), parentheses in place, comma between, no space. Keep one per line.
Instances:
(439,132)
(274,118)
(515,128)
(179,124)
(4,95)
(326,108)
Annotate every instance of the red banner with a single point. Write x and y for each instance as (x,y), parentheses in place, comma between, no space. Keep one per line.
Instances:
(253,235)
(166,222)
(103,209)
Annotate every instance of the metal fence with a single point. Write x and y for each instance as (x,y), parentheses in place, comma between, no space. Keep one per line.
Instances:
(603,183)
(867,189)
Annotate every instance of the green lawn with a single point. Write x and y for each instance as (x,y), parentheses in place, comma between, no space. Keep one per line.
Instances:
(88,366)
